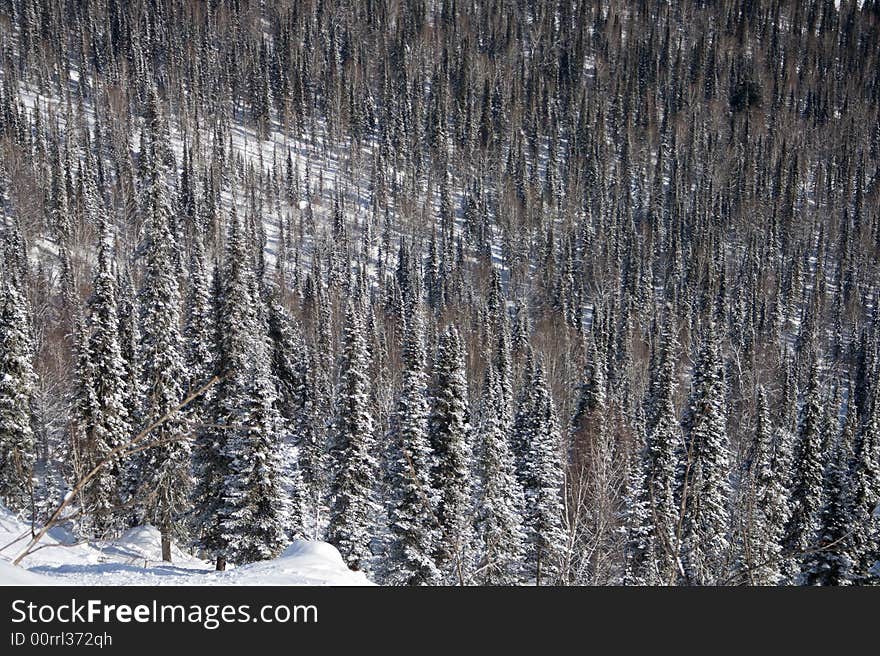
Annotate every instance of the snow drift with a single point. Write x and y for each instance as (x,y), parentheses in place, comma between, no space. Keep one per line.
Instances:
(135,559)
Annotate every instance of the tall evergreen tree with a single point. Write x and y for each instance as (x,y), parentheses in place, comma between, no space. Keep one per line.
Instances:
(245,512)
(767,501)
(547,541)
(829,562)
(640,565)
(308,426)
(255,513)
(289,372)
(449,433)
(201,363)
(109,426)
(210,465)
(164,469)
(500,502)
(17,388)
(704,488)
(411,498)
(807,474)
(864,485)
(352,493)
(660,460)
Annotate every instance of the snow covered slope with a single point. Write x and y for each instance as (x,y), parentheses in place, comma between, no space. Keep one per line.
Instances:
(135,559)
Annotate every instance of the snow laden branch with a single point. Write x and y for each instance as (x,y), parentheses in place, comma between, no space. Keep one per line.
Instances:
(134,445)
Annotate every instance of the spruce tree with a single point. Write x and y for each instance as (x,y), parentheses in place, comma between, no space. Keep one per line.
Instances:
(546,537)
(829,563)
(255,513)
(308,426)
(289,372)
(352,501)
(84,409)
(17,387)
(210,465)
(807,475)
(660,461)
(449,435)
(864,486)
(164,472)
(639,553)
(201,364)
(109,426)
(500,502)
(244,512)
(704,488)
(411,498)
(767,502)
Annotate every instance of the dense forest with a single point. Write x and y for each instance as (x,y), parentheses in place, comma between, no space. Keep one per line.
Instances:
(480,292)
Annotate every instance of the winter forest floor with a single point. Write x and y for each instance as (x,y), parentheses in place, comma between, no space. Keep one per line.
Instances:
(482,293)
(134,559)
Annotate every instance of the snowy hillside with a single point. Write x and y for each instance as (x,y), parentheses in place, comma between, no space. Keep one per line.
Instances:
(478,293)
(135,559)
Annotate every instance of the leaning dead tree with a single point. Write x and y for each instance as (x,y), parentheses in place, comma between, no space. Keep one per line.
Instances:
(135,445)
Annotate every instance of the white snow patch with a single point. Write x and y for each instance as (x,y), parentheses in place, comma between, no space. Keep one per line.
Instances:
(12,575)
(135,559)
(304,562)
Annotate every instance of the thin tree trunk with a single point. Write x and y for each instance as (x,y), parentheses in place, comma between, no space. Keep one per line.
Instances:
(166,544)
(221,563)
(125,449)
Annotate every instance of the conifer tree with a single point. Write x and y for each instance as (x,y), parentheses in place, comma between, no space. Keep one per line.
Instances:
(163,470)
(660,460)
(255,513)
(500,503)
(245,511)
(84,405)
(210,464)
(450,439)
(864,485)
(288,372)
(109,425)
(411,498)
(704,488)
(806,484)
(640,556)
(17,387)
(308,428)
(828,563)
(543,481)
(200,350)
(767,501)
(354,468)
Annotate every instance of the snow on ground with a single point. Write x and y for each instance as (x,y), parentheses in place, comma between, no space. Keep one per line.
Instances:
(135,559)
(12,575)
(329,163)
